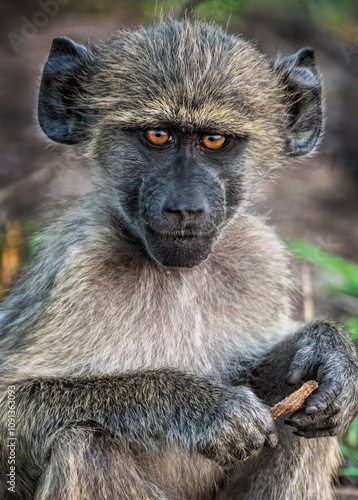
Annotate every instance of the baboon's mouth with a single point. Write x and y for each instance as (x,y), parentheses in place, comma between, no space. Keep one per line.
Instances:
(180,235)
(179,248)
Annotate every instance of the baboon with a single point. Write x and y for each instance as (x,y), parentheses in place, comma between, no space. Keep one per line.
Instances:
(152,332)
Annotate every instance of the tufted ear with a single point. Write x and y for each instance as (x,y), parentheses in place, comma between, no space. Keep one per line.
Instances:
(303,90)
(60,113)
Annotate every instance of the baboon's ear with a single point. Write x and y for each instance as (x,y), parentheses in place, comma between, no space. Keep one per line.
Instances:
(303,90)
(60,113)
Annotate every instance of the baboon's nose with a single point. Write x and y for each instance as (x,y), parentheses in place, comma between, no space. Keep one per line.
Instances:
(182,214)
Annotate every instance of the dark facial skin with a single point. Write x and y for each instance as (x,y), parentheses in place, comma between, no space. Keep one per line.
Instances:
(172,192)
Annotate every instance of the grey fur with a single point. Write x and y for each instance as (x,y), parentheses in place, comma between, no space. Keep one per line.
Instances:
(153,330)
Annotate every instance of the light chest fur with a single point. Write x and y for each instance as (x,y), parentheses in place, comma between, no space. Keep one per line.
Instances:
(141,315)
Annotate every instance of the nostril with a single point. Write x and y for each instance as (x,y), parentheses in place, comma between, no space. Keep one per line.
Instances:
(183,213)
(172,210)
(196,211)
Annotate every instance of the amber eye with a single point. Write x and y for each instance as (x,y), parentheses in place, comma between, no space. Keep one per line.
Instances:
(157,137)
(213,141)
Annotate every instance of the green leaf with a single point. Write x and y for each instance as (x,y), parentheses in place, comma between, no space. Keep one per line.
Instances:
(325,260)
(354,424)
(352,325)
(349,471)
(348,452)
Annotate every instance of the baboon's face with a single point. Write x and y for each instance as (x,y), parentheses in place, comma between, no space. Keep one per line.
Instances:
(175,188)
(183,120)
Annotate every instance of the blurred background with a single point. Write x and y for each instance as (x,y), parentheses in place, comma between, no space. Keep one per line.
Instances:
(312,203)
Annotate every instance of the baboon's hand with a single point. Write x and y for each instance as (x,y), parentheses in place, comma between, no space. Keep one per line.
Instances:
(326,358)
(243,426)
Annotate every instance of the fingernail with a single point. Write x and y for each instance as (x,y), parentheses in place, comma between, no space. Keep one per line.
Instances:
(311,410)
(289,422)
(293,377)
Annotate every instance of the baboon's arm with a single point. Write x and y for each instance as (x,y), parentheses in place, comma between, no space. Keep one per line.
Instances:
(317,351)
(143,406)
(149,409)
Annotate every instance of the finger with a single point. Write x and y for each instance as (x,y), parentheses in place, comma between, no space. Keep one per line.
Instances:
(299,419)
(271,440)
(327,393)
(321,372)
(315,433)
(333,409)
(309,422)
(256,443)
(301,368)
(297,372)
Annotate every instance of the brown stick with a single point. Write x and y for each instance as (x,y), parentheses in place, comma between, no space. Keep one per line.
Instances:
(294,400)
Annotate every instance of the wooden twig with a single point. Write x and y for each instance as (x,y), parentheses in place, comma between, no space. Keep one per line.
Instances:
(294,400)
